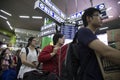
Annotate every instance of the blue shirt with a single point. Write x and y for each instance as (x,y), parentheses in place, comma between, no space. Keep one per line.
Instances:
(87,55)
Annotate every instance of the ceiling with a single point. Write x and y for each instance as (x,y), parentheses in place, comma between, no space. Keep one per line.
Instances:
(26,7)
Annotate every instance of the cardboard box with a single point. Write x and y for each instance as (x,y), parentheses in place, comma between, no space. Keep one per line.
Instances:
(110,71)
(113,35)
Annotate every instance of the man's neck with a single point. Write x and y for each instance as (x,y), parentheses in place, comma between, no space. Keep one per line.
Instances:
(93,29)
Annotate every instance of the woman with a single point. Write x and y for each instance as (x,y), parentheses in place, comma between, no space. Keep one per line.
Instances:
(49,55)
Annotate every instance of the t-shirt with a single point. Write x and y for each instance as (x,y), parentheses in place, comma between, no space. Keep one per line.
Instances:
(31,56)
(92,69)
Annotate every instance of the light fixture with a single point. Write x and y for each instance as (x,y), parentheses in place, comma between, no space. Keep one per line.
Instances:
(9,25)
(119,2)
(3,17)
(36,17)
(110,16)
(108,9)
(24,16)
(6,12)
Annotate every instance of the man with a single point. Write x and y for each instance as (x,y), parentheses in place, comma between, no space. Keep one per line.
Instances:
(29,60)
(89,44)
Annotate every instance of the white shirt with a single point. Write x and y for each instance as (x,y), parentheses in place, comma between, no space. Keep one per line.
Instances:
(31,56)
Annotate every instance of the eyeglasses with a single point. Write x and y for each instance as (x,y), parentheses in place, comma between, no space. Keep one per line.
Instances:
(97,15)
(34,40)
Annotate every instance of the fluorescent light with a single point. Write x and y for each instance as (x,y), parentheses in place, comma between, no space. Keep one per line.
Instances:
(24,16)
(3,17)
(108,9)
(6,12)
(119,16)
(118,2)
(110,16)
(9,25)
(103,28)
(36,17)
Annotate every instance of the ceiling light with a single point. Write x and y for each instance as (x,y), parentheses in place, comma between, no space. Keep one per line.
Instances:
(24,16)
(36,17)
(118,2)
(9,25)
(110,16)
(6,12)
(3,17)
(109,8)
(119,16)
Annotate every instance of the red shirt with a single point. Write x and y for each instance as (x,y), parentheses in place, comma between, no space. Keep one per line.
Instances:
(51,63)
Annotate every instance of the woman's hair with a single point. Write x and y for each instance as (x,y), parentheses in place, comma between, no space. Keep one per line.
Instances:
(3,52)
(56,37)
(88,12)
(29,41)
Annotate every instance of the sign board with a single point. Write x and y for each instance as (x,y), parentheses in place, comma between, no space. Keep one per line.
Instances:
(50,10)
(48,29)
(78,15)
(69,31)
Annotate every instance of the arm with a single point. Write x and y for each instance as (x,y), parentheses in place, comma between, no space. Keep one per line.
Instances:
(105,51)
(25,62)
(45,54)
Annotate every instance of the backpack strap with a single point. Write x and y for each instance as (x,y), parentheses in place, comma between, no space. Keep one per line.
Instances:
(36,50)
(27,51)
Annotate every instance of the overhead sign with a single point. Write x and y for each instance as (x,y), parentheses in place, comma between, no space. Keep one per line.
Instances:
(48,29)
(48,32)
(69,31)
(78,15)
(54,8)
(50,10)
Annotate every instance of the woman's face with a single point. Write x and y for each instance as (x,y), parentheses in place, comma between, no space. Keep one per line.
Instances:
(61,40)
(4,64)
(8,51)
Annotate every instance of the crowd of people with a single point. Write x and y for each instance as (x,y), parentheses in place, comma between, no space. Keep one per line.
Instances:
(52,56)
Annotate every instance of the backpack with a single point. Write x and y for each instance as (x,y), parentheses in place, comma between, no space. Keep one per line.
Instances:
(19,63)
(71,63)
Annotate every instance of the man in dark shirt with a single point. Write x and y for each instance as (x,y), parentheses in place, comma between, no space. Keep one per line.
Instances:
(89,43)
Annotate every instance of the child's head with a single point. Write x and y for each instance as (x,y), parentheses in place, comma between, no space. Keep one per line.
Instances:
(4,64)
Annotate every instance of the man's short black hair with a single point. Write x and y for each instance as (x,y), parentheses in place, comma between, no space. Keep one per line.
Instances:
(56,37)
(88,12)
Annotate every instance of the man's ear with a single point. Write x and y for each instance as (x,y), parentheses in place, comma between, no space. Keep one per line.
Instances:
(88,18)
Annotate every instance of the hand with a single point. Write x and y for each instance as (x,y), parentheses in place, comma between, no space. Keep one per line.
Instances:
(35,63)
(54,51)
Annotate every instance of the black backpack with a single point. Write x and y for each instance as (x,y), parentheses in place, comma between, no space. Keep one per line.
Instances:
(71,64)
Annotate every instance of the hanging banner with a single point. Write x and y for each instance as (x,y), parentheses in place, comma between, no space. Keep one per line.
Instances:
(69,31)
(78,15)
(50,9)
